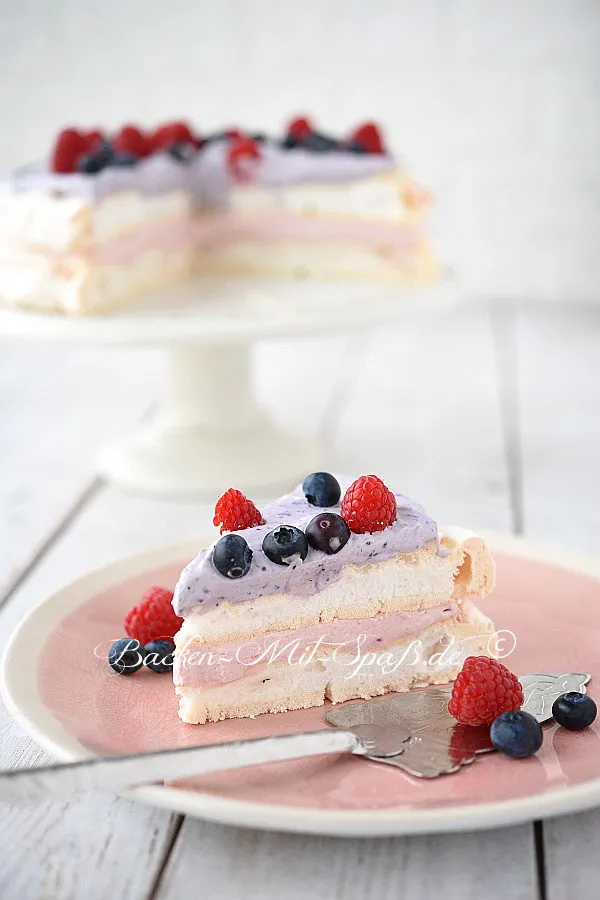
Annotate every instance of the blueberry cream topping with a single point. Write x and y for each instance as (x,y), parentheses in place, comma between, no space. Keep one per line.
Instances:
(95,165)
(205,582)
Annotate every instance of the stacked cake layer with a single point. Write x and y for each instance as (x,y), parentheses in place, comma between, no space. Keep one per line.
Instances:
(385,611)
(110,220)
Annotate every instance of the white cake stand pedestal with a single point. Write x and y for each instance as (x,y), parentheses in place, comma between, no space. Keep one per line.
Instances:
(209,431)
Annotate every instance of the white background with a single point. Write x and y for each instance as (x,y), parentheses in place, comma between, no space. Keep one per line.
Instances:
(493,103)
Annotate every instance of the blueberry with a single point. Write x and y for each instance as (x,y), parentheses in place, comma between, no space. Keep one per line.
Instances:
(354,147)
(320,143)
(123,159)
(321,489)
(181,152)
(104,152)
(574,711)
(158,656)
(517,734)
(327,532)
(215,136)
(285,542)
(232,556)
(91,163)
(289,142)
(259,137)
(126,656)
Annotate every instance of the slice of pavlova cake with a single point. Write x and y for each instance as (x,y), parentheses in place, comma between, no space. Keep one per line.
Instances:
(336,591)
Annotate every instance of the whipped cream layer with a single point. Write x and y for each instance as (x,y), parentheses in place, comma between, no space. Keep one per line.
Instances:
(205,176)
(201,585)
(198,665)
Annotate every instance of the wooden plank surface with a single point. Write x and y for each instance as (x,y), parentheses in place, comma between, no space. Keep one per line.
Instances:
(249,865)
(448,450)
(58,405)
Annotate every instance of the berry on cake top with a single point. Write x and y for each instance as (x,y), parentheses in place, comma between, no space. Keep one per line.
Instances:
(300,543)
(89,152)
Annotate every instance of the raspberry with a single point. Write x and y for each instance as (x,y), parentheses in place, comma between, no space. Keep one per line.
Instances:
(172,133)
(484,689)
(93,139)
(300,128)
(368,505)
(131,139)
(242,156)
(368,137)
(70,146)
(153,618)
(234,512)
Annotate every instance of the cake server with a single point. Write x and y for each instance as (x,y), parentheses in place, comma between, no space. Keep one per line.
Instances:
(438,744)
(412,731)
(116,772)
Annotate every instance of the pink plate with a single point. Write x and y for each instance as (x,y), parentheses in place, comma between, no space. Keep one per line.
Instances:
(72,703)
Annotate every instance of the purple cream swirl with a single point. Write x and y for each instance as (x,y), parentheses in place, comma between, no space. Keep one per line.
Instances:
(205,177)
(201,587)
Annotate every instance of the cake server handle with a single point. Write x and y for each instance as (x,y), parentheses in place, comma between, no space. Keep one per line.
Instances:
(117,772)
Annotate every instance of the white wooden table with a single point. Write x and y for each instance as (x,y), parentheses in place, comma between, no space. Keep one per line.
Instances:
(490,416)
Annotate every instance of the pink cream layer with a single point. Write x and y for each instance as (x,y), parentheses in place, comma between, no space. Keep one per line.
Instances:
(218,231)
(219,664)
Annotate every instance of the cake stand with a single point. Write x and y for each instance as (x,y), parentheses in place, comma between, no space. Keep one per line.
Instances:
(209,432)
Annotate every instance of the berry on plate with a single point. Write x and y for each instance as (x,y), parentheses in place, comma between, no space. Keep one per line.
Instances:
(284,543)
(234,512)
(154,617)
(368,505)
(158,656)
(232,557)
(321,489)
(484,689)
(574,711)
(516,733)
(327,532)
(126,656)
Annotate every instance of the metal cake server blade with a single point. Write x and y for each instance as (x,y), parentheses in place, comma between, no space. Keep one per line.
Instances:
(117,772)
(438,744)
(412,731)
